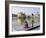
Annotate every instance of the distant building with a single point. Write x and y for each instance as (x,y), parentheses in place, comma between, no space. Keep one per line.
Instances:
(21,17)
(18,14)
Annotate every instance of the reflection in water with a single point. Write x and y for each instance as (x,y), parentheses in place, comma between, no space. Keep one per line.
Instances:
(21,18)
(18,22)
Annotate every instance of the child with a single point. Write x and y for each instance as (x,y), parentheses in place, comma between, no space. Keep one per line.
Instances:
(26,24)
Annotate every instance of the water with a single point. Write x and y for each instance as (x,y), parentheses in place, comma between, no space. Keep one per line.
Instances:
(20,27)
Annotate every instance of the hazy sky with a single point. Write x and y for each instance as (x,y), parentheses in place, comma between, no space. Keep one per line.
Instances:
(27,10)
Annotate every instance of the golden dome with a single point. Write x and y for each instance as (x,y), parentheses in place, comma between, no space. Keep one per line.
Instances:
(18,14)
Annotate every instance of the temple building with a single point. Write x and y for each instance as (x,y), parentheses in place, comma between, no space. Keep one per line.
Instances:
(21,17)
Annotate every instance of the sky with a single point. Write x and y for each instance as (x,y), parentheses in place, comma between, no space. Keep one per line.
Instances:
(26,10)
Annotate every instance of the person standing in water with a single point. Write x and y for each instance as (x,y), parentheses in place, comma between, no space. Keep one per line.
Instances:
(33,20)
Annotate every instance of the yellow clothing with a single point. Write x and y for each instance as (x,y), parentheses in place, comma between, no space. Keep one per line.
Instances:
(33,19)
